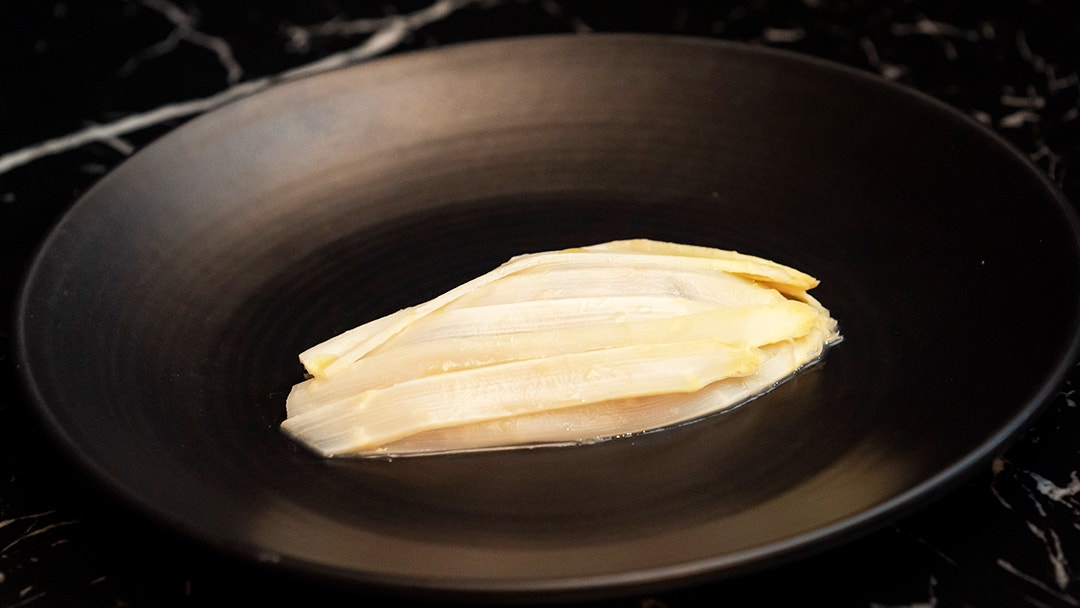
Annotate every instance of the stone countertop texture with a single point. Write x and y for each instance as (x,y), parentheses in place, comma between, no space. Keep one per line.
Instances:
(85,85)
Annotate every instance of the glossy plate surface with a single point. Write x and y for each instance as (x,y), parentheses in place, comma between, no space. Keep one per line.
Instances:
(159,326)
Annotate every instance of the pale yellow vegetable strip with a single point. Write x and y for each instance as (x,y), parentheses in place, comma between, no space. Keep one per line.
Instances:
(319,357)
(582,281)
(594,422)
(371,335)
(510,389)
(320,363)
(752,266)
(315,359)
(544,316)
(756,326)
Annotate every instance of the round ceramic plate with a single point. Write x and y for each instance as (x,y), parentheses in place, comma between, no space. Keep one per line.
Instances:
(159,325)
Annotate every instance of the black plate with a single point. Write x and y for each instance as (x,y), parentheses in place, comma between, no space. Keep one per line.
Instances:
(159,325)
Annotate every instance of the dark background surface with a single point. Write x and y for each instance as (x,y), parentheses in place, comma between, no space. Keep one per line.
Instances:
(86,85)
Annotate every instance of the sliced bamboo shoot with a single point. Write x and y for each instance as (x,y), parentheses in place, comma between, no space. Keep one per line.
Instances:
(590,423)
(596,280)
(484,393)
(363,341)
(755,326)
(749,266)
(561,347)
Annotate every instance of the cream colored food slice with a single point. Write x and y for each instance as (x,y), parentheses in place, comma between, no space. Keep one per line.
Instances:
(543,316)
(756,326)
(379,416)
(321,361)
(759,269)
(566,281)
(602,420)
(317,358)
(337,353)
(595,280)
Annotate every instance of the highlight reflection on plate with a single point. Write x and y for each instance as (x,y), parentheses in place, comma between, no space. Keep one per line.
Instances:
(159,325)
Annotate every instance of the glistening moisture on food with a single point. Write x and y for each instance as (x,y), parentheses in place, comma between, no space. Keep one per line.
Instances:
(562,348)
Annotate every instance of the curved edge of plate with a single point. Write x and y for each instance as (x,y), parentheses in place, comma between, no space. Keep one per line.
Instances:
(593,587)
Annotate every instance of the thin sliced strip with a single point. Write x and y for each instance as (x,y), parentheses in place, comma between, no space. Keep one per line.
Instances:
(318,357)
(756,326)
(511,389)
(746,265)
(545,316)
(594,422)
(572,346)
(364,340)
(321,361)
(598,281)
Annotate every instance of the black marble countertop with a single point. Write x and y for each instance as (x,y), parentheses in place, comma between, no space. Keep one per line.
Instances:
(84,85)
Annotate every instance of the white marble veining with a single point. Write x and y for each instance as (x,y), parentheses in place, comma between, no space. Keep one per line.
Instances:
(889,71)
(184,30)
(1067,599)
(383,35)
(300,36)
(557,10)
(128,124)
(19,529)
(1043,509)
(1048,502)
(938,29)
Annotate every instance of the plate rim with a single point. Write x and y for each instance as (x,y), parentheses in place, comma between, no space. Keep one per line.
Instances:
(591,586)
